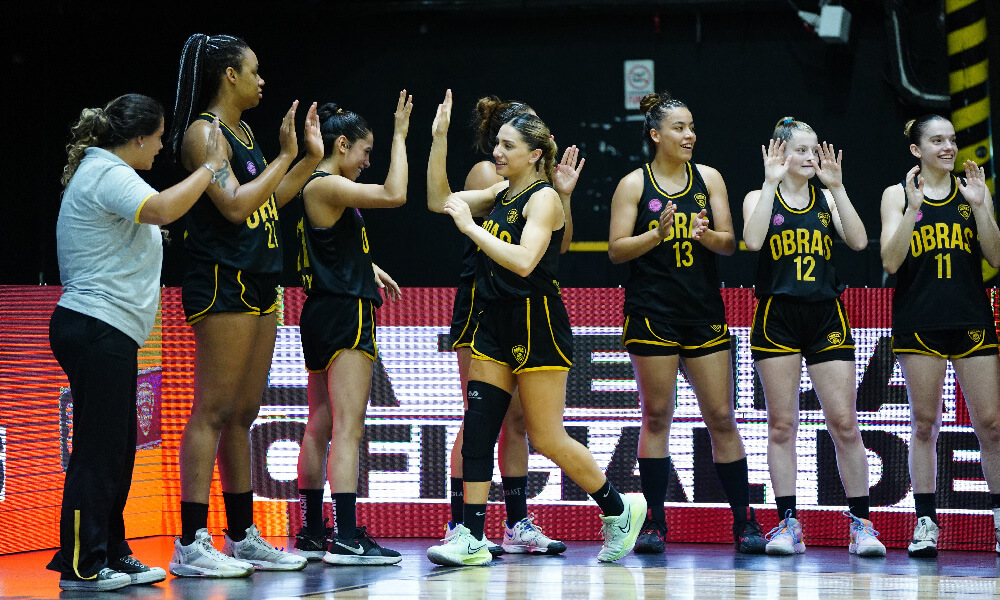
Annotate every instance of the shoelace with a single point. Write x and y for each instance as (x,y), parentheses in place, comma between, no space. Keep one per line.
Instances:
(783,526)
(209,548)
(861,525)
(132,562)
(364,535)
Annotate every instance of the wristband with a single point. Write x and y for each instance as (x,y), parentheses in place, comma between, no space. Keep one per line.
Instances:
(215,174)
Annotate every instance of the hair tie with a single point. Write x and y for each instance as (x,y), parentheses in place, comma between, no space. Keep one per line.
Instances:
(340,111)
(787,121)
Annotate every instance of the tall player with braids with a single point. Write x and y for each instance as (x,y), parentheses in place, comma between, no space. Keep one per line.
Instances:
(668,221)
(523,338)
(799,315)
(338,325)
(521,535)
(936,229)
(229,294)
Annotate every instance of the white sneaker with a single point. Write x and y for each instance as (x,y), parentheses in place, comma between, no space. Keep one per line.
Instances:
(452,528)
(925,538)
(864,538)
(527,538)
(620,531)
(460,549)
(786,538)
(259,553)
(201,559)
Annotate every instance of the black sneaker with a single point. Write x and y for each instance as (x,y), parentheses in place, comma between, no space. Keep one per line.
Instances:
(652,537)
(748,538)
(138,572)
(361,550)
(105,580)
(311,545)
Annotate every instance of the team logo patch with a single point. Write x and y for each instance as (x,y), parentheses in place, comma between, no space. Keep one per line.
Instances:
(716,328)
(824,218)
(778,219)
(520,353)
(655,205)
(976,335)
(835,337)
(251,168)
(700,199)
(965,210)
(512,215)
(920,215)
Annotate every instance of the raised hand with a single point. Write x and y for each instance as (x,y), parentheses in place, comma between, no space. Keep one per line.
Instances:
(567,172)
(666,222)
(402,115)
(286,135)
(459,211)
(443,117)
(974,188)
(314,138)
(914,189)
(775,163)
(700,224)
(829,168)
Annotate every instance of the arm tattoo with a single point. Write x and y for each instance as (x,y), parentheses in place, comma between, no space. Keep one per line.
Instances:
(222,174)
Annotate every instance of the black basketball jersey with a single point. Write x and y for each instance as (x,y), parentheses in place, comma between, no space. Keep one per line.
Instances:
(795,260)
(335,260)
(468,260)
(676,280)
(253,245)
(940,283)
(506,221)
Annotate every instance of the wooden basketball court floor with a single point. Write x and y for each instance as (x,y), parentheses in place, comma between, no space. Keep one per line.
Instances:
(685,571)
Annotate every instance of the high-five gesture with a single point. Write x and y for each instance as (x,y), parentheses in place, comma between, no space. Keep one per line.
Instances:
(974,188)
(314,138)
(443,117)
(567,172)
(286,135)
(828,168)
(402,115)
(914,189)
(775,163)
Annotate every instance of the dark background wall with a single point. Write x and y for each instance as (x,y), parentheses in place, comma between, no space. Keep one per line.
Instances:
(739,65)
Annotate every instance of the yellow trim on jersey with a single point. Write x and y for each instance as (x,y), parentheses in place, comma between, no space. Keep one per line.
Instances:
(519,371)
(371,314)
(472,302)
(843,326)
(141,204)
(954,192)
(215,293)
(357,340)
(652,179)
(722,339)
(763,327)
(527,320)
(242,126)
(521,193)
(812,201)
(76,547)
(554,343)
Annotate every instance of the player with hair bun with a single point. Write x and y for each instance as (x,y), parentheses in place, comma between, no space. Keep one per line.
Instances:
(337,325)
(521,535)
(800,315)
(936,230)
(523,338)
(669,220)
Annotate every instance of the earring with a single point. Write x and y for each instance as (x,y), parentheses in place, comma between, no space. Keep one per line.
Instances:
(140,144)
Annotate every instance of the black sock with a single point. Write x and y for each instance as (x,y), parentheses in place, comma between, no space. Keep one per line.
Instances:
(735,479)
(239,514)
(653,474)
(194,516)
(346,515)
(926,506)
(995,500)
(785,504)
(311,503)
(515,498)
(609,500)
(474,517)
(457,498)
(859,507)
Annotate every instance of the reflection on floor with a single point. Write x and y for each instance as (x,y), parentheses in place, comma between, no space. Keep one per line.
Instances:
(686,571)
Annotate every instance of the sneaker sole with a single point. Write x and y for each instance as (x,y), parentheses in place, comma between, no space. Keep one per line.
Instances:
(866,552)
(496,551)
(178,570)
(263,565)
(535,550)
(106,585)
(637,510)
(451,560)
(922,552)
(647,549)
(153,575)
(784,551)
(311,555)
(343,559)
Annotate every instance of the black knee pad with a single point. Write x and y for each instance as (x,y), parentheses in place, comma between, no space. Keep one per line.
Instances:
(483,419)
